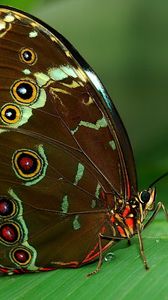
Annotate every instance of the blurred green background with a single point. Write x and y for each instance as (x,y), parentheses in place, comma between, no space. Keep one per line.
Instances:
(126,43)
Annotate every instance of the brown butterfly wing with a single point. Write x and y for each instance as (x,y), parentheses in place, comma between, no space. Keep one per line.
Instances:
(57,119)
(55,215)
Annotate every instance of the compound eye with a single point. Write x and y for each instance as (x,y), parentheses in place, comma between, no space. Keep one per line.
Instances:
(145,196)
(28,56)
(10,114)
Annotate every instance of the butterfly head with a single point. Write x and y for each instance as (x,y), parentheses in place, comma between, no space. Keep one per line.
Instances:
(147,201)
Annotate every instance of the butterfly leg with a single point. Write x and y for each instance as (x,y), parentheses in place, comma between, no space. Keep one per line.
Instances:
(141,246)
(100,257)
(159,206)
(100,238)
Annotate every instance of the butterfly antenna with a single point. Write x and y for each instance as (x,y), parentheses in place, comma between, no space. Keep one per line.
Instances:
(158,179)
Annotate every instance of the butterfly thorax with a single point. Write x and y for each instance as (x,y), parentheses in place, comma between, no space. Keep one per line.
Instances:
(125,216)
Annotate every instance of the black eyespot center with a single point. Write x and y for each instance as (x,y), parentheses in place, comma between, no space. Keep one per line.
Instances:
(145,196)
(27,55)
(10,114)
(24,90)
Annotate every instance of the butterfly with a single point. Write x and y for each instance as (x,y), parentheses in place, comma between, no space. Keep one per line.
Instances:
(68,184)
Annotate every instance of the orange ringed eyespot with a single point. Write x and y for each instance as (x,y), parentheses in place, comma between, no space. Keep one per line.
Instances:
(28,56)
(10,114)
(25,91)
(27,164)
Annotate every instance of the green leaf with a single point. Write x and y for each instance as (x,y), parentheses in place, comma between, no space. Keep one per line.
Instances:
(124,277)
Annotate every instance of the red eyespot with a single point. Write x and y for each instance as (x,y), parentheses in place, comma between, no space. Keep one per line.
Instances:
(9,233)
(26,163)
(21,256)
(7,207)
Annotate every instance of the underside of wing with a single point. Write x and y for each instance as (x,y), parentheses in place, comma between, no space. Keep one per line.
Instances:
(62,148)
(66,96)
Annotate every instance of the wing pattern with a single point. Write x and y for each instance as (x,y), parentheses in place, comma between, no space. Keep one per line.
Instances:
(61,151)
